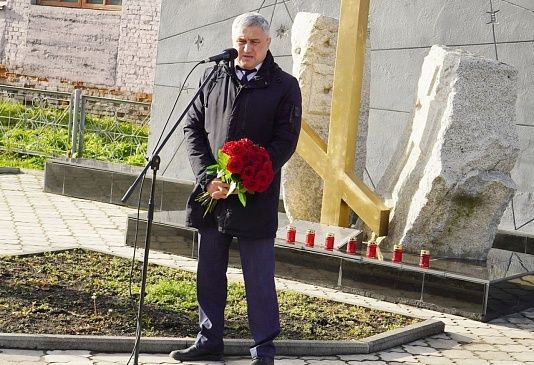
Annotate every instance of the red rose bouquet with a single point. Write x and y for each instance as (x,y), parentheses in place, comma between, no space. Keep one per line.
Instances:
(245,166)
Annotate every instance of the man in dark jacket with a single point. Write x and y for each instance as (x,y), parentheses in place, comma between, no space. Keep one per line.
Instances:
(257,100)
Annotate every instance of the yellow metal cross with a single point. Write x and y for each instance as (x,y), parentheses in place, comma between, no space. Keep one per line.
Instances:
(334,162)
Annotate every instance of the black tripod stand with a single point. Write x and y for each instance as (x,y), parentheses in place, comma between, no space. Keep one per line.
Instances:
(153,164)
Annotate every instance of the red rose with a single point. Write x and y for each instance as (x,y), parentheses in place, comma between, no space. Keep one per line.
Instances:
(267,166)
(248,173)
(227,147)
(263,155)
(251,185)
(247,157)
(258,166)
(263,181)
(235,165)
(236,150)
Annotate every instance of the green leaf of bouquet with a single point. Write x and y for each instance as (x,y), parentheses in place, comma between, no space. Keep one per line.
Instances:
(223,158)
(242,198)
(212,169)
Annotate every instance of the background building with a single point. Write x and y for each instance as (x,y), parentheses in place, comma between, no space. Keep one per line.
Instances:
(106,47)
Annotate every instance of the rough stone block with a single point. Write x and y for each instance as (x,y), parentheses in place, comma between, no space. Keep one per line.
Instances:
(453,182)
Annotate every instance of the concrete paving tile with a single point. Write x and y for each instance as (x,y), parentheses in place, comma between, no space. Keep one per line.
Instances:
(238,361)
(421,342)
(526,342)
(463,338)
(10,244)
(15,356)
(498,340)
(421,350)
(478,347)
(363,357)
(434,360)
(493,355)
(442,343)
(154,358)
(111,357)
(513,348)
(323,360)
(11,252)
(508,326)
(471,362)
(526,326)
(369,363)
(397,349)
(523,356)
(506,362)
(82,353)
(485,331)
(458,354)
(396,356)
(286,361)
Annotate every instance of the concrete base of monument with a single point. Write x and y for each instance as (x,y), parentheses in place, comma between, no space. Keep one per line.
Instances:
(480,290)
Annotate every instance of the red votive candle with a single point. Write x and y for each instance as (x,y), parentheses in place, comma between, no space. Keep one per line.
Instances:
(397,253)
(424,259)
(371,250)
(291,234)
(329,242)
(352,246)
(310,238)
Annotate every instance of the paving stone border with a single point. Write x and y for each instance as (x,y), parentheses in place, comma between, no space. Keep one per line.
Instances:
(154,345)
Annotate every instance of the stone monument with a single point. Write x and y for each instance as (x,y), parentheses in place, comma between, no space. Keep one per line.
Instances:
(313,38)
(453,179)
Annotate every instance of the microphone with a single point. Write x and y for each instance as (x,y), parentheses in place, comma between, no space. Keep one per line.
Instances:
(228,54)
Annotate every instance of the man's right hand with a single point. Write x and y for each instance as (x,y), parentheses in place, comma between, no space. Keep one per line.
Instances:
(217,189)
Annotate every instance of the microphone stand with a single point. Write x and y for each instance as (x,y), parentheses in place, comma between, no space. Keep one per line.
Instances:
(154,163)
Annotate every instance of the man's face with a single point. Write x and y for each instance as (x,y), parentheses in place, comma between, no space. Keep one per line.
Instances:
(252,45)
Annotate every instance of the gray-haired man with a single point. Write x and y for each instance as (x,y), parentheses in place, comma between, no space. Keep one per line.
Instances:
(255,100)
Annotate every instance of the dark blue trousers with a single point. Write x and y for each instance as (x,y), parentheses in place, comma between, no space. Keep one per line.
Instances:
(257,261)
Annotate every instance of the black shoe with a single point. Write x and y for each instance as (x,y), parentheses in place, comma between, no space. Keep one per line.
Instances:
(195,354)
(262,361)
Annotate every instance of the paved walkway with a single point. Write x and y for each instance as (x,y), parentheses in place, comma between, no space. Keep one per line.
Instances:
(34,221)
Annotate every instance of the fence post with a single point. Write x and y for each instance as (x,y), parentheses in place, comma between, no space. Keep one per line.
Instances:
(75,122)
(81,131)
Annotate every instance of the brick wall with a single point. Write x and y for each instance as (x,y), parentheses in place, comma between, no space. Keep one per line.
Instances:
(107,53)
(136,59)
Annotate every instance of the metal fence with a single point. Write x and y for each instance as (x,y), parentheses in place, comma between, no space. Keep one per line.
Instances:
(62,124)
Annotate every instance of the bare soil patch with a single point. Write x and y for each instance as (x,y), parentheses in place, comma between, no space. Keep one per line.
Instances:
(83,292)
